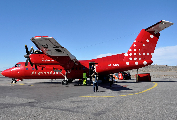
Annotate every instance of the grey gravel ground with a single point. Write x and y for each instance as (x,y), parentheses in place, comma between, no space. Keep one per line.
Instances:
(125,100)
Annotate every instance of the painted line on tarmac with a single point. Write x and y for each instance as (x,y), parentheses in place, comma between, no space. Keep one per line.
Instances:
(128,94)
(97,96)
(16,84)
(12,84)
(21,84)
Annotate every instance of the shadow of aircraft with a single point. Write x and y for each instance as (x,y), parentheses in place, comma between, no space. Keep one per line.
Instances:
(48,83)
(114,87)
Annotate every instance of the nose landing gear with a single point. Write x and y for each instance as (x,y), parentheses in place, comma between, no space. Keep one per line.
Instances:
(13,81)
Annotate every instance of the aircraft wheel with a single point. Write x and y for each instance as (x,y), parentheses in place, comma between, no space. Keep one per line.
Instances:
(14,81)
(64,82)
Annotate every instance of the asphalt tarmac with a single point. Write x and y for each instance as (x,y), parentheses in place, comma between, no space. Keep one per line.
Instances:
(43,99)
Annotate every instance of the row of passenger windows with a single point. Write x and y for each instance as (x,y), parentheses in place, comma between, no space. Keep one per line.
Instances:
(72,68)
(78,68)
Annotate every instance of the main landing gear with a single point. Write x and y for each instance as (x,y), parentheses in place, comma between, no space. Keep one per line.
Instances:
(13,81)
(65,81)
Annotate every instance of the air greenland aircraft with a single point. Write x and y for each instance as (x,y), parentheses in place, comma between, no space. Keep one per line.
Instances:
(56,62)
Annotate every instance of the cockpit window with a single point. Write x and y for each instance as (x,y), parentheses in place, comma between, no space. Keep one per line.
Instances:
(17,65)
(38,52)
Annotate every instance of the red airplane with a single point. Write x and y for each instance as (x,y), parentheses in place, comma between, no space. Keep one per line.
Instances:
(52,61)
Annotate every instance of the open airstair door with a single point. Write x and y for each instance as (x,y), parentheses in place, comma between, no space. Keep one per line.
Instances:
(92,66)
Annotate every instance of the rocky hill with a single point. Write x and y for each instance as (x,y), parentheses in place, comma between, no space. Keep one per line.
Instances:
(157,71)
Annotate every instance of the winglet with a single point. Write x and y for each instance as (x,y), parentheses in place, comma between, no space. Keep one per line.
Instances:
(156,28)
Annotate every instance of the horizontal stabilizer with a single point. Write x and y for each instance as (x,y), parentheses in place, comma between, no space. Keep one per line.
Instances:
(156,28)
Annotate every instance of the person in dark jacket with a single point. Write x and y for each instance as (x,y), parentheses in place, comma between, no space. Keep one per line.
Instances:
(111,79)
(94,80)
(91,72)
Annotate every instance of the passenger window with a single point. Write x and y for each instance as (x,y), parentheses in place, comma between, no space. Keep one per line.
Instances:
(16,65)
(83,68)
(80,68)
(19,65)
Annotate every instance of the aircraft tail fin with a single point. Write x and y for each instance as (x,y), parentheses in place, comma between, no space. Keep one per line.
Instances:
(144,45)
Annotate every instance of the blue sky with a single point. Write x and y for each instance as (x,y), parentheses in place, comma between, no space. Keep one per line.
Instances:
(87,28)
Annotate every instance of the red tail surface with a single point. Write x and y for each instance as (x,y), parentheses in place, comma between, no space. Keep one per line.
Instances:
(144,45)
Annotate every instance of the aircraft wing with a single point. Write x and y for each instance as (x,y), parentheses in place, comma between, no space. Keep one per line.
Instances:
(156,28)
(50,47)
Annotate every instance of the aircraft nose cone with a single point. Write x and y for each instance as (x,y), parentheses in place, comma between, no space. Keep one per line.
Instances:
(5,73)
(2,73)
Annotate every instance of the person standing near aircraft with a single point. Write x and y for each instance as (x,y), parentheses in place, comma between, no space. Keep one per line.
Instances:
(111,79)
(91,72)
(84,78)
(94,79)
